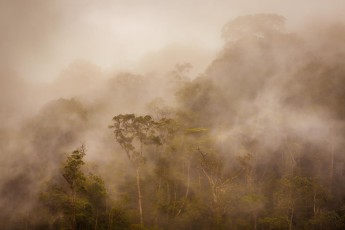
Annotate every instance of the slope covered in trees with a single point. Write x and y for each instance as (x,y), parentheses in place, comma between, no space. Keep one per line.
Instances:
(255,142)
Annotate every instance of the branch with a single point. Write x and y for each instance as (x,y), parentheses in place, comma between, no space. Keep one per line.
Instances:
(69,181)
(202,154)
(187,191)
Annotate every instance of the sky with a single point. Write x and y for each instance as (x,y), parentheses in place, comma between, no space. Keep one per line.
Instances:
(40,37)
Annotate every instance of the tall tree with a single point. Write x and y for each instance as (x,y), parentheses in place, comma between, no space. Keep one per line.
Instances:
(133,133)
(76,199)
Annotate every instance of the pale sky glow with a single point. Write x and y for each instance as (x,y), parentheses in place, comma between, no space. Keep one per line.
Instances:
(41,38)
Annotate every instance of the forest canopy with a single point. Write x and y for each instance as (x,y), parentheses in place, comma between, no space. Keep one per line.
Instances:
(254,142)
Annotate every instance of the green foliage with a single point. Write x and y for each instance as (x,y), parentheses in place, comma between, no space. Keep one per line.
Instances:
(196,130)
(79,200)
(252,202)
(132,132)
(137,227)
(326,220)
(72,169)
(275,223)
(221,163)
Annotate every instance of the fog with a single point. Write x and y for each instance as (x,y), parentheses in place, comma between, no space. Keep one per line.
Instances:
(41,38)
(264,78)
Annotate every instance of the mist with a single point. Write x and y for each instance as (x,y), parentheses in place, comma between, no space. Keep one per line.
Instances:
(246,100)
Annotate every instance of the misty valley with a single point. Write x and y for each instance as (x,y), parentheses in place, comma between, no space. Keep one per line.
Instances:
(256,141)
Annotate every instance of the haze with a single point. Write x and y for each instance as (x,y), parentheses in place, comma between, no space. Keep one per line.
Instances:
(178,114)
(39,38)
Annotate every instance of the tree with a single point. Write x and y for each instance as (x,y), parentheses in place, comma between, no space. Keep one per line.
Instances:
(212,166)
(259,26)
(326,220)
(293,197)
(63,197)
(133,133)
(173,171)
(78,200)
(75,179)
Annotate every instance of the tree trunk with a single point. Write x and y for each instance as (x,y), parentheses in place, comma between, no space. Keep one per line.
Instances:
(139,198)
(159,200)
(291,218)
(96,221)
(187,191)
(26,221)
(255,220)
(74,214)
(168,201)
(174,202)
(110,224)
(331,170)
(314,202)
